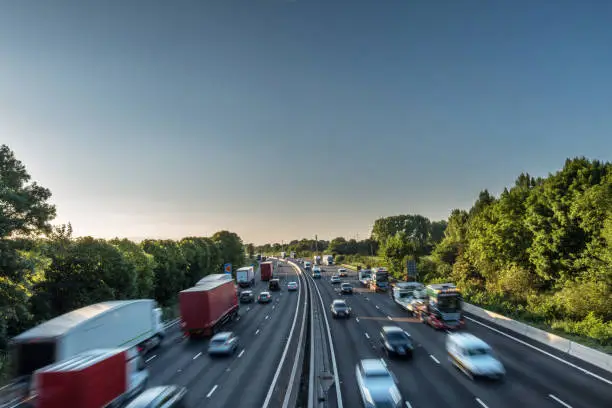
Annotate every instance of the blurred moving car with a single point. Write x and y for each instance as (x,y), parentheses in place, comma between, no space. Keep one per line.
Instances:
(346,288)
(223,343)
(342,273)
(292,286)
(377,385)
(339,308)
(246,296)
(264,297)
(396,342)
(335,279)
(163,396)
(274,284)
(473,356)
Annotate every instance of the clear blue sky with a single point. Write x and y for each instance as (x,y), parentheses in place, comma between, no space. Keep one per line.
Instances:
(281,119)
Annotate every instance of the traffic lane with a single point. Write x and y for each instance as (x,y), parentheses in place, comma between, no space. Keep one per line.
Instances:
(171,362)
(515,390)
(251,369)
(422,382)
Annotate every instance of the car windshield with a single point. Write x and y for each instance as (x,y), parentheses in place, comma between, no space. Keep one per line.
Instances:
(340,305)
(397,338)
(219,341)
(478,351)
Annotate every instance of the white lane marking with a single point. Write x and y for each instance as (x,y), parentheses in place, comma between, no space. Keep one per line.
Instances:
(357,319)
(241,353)
(367,335)
(248,308)
(197,355)
(566,405)
(238,318)
(482,404)
(434,359)
(543,351)
(211,391)
(150,358)
(257,332)
(377,307)
(389,317)
(273,306)
(408,405)
(367,299)
(267,317)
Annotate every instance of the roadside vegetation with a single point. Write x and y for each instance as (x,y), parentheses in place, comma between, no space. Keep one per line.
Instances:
(45,271)
(541,252)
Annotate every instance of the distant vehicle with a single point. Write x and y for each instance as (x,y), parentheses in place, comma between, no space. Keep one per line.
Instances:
(264,297)
(267,268)
(377,385)
(316,272)
(263,258)
(328,259)
(283,255)
(292,286)
(346,288)
(339,308)
(307,265)
(408,294)
(246,296)
(342,273)
(473,356)
(207,307)
(379,280)
(214,277)
(223,343)
(104,325)
(316,260)
(396,342)
(259,257)
(95,378)
(364,277)
(274,285)
(334,279)
(442,308)
(292,255)
(245,276)
(163,396)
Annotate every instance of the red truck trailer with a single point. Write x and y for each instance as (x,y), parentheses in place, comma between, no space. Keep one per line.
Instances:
(206,307)
(92,379)
(266,270)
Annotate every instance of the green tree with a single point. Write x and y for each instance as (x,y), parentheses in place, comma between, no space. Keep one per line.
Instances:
(230,247)
(395,252)
(143,263)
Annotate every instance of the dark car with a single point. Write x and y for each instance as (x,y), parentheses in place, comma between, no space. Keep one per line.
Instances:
(264,297)
(274,284)
(396,342)
(339,308)
(246,296)
(164,396)
(346,288)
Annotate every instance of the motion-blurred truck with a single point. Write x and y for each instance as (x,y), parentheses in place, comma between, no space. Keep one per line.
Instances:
(316,260)
(307,266)
(407,294)
(245,276)
(207,307)
(120,323)
(442,307)
(93,379)
(283,255)
(267,268)
(292,255)
(328,259)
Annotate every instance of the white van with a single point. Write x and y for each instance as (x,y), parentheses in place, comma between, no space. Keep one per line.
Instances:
(473,356)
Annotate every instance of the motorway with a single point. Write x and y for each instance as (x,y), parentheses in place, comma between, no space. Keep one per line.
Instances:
(534,379)
(244,379)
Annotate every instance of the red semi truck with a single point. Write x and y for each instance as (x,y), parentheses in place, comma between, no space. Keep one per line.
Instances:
(266,271)
(92,379)
(207,306)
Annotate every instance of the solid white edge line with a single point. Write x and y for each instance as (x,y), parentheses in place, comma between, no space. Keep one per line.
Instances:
(241,353)
(150,358)
(585,371)
(331,349)
(312,350)
(197,355)
(295,361)
(408,405)
(211,391)
(434,358)
(566,405)
(284,355)
(478,400)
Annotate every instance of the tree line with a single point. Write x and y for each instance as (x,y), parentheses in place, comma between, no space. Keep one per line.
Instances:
(45,271)
(541,251)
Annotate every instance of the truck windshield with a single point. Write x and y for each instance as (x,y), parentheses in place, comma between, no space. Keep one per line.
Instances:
(29,357)
(449,303)
(382,277)
(405,295)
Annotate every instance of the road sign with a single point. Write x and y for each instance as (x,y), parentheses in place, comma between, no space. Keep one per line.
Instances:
(227,268)
(412,269)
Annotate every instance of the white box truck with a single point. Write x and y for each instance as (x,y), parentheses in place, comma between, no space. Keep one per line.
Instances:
(113,324)
(328,259)
(245,276)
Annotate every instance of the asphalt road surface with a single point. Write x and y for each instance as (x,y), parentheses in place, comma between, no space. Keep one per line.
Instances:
(244,379)
(534,379)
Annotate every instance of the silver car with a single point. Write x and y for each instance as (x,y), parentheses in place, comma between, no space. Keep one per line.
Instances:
(377,385)
(473,356)
(223,343)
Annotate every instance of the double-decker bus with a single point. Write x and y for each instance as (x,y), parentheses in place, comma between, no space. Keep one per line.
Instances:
(379,281)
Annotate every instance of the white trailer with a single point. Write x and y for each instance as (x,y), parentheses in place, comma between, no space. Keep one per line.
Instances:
(405,294)
(328,259)
(245,276)
(113,324)
(316,260)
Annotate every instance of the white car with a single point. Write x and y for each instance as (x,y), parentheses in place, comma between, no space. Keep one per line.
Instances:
(335,279)
(473,356)
(292,286)
(377,385)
